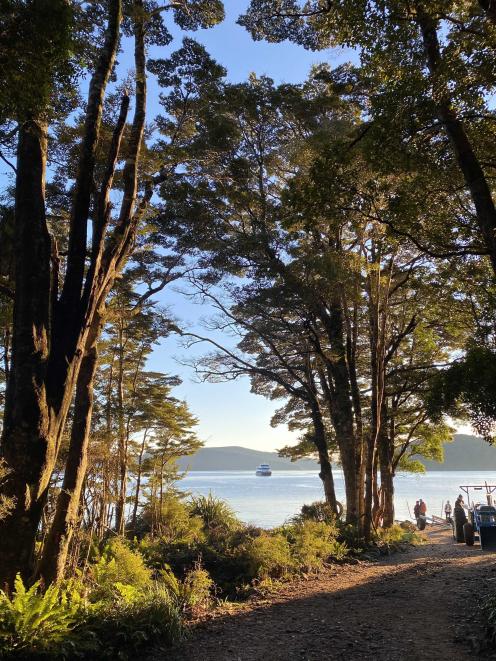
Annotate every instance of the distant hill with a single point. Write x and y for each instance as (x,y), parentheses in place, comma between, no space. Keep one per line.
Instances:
(465,453)
(236,458)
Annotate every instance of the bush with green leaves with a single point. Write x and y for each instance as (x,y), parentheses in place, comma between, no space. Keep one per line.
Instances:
(348,535)
(488,607)
(119,564)
(173,522)
(224,558)
(132,625)
(398,535)
(59,623)
(193,592)
(312,543)
(33,621)
(268,556)
(338,550)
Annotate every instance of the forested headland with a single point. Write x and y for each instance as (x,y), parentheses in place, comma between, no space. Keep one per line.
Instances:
(341,232)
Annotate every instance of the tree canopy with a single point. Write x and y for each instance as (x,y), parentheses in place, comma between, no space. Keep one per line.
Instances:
(341,230)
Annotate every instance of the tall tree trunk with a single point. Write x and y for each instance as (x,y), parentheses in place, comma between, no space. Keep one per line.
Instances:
(52,563)
(374,306)
(128,218)
(319,438)
(27,441)
(346,441)
(369,486)
(71,311)
(341,411)
(138,481)
(376,499)
(387,474)
(336,382)
(46,354)
(122,441)
(6,352)
(352,326)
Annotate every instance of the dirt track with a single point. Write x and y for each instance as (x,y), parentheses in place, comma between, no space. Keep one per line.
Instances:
(414,606)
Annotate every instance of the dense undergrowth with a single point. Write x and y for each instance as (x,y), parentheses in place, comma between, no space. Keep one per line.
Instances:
(139,592)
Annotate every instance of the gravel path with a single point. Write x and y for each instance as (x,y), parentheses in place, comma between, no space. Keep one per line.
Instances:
(413,606)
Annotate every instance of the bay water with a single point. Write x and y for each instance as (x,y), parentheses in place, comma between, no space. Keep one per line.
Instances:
(269,501)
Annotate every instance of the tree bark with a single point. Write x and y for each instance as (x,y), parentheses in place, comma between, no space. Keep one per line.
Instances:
(70,310)
(345,439)
(27,440)
(53,561)
(46,353)
(138,481)
(122,441)
(342,415)
(325,474)
(387,473)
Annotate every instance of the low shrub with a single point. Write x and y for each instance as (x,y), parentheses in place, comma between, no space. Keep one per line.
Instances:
(123,631)
(268,556)
(312,542)
(173,522)
(319,511)
(193,592)
(348,535)
(227,567)
(61,624)
(339,550)
(397,535)
(488,607)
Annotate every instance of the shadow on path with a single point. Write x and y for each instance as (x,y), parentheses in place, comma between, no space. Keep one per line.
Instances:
(412,606)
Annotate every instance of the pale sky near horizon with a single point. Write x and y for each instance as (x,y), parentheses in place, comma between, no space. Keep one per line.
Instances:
(228,413)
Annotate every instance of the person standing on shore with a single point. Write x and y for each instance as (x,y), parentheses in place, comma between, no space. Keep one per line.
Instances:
(447,510)
(422,507)
(416,510)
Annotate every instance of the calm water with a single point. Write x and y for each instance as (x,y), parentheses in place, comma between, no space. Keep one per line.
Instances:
(269,501)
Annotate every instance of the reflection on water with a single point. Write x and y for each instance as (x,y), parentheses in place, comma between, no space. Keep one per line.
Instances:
(269,501)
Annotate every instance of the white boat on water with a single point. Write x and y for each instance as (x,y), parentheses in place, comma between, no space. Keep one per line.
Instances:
(264,470)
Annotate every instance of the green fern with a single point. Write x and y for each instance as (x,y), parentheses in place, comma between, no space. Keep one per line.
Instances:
(36,621)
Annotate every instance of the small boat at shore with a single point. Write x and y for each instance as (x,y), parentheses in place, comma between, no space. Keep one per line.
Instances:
(263,470)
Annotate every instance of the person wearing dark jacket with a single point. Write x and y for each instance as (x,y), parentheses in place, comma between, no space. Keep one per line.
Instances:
(459,512)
